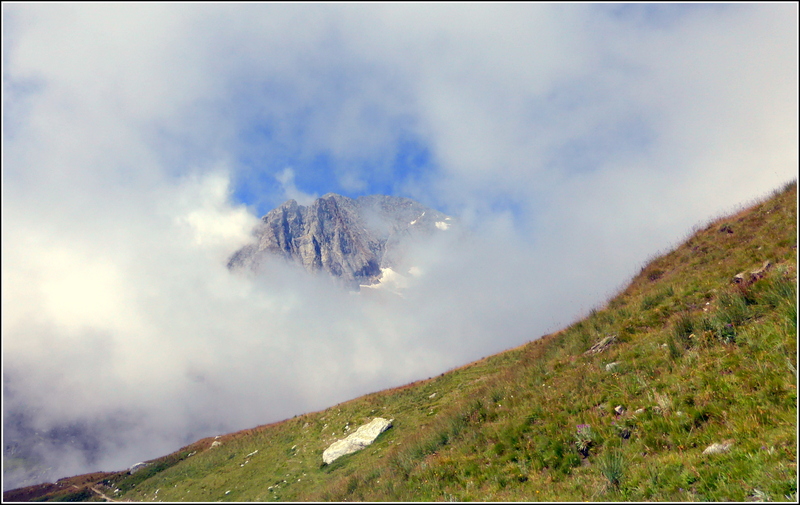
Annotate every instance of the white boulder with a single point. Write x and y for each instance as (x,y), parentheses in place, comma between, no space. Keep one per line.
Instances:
(719,447)
(135,468)
(357,440)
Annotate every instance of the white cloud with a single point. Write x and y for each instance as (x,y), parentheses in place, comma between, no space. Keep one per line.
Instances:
(575,142)
(213,221)
(290,191)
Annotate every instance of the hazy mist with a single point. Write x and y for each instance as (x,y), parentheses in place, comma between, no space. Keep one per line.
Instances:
(573,142)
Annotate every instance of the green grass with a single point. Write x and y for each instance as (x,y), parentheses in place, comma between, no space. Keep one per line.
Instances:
(700,360)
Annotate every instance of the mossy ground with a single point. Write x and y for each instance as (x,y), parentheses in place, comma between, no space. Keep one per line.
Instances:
(699,359)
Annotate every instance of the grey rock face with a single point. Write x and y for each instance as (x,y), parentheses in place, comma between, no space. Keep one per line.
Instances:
(352,239)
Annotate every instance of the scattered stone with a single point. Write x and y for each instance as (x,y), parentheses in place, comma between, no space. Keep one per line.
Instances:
(619,410)
(758,495)
(356,441)
(664,403)
(432,395)
(612,366)
(638,411)
(215,443)
(719,447)
(602,345)
(754,275)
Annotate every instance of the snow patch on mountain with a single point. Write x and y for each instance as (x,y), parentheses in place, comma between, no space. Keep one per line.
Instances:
(389,280)
(417,219)
(393,281)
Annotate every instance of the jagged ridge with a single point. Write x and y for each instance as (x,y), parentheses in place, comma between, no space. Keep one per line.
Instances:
(352,239)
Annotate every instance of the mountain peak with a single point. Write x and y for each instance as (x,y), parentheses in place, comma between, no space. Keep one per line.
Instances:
(328,196)
(351,239)
(290,204)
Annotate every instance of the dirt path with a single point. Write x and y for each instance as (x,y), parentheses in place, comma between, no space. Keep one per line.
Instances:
(103,496)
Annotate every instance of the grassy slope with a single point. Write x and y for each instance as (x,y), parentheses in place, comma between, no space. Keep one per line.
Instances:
(706,359)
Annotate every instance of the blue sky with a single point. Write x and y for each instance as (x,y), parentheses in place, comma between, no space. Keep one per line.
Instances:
(142,143)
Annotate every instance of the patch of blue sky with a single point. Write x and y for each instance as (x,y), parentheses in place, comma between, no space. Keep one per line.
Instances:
(408,163)
(412,164)
(257,185)
(264,147)
(257,190)
(275,137)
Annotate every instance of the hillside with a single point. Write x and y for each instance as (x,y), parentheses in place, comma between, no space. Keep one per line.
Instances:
(698,357)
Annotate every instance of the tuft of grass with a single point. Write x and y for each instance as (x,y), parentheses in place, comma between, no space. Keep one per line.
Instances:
(612,466)
(584,438)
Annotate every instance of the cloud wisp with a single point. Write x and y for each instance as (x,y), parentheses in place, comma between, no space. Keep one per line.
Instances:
(573,141)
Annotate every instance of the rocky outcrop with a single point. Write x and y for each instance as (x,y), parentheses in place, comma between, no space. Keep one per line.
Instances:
(352,239)
(758,273)
(356,441)
(602,345)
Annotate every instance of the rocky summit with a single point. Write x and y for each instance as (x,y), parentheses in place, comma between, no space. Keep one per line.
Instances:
(354,240)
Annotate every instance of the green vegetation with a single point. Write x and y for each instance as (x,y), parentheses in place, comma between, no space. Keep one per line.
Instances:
(698,359)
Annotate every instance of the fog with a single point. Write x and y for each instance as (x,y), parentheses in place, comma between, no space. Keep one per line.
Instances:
(142,143)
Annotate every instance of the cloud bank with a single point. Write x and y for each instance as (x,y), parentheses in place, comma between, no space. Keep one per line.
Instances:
(142,143)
